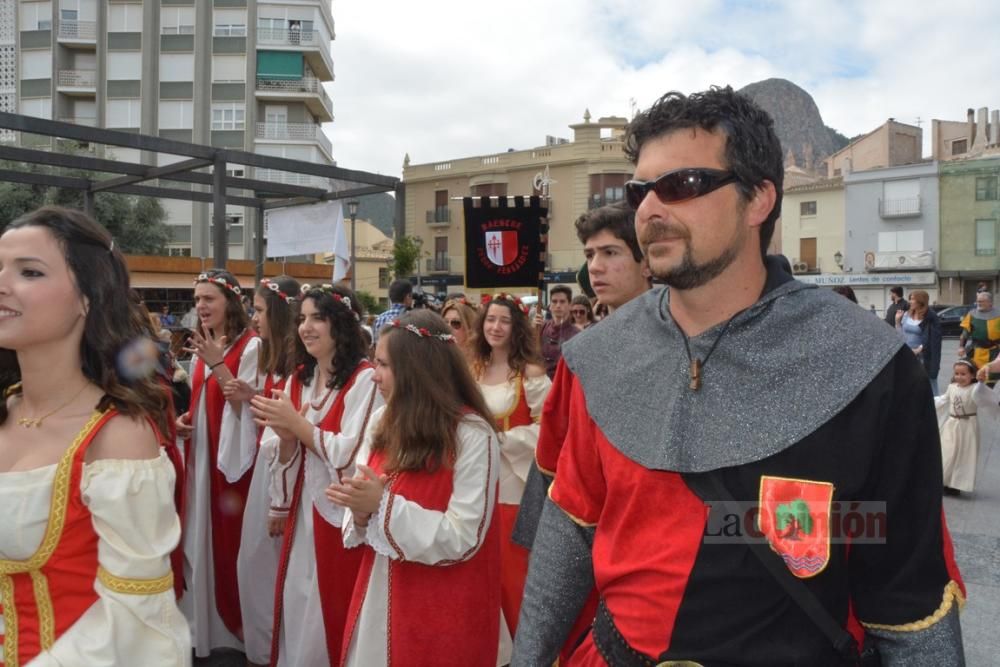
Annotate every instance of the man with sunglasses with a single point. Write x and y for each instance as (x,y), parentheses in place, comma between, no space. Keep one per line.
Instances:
(736,386)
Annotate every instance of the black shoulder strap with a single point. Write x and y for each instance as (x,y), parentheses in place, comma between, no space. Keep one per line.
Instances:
(841,639)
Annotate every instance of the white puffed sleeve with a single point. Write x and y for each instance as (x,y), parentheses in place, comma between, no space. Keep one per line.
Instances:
(335,452)
(238,433)
(355,535)
(404,530)
(517,445)
(135,620)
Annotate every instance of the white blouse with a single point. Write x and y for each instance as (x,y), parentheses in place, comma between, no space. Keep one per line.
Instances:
(517,445)
(132,505)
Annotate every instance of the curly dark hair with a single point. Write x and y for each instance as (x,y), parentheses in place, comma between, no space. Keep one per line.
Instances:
(617,218)
(345,327)
(523,341)
(282,352)
(112,324)
(753,151)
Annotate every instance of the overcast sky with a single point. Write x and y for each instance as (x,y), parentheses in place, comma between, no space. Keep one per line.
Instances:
(454,78)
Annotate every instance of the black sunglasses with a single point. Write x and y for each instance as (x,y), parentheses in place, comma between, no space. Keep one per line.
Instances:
(454,324)
(678,185)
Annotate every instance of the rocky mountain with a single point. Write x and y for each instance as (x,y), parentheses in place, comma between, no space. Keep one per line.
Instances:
(797,121)
(378,209)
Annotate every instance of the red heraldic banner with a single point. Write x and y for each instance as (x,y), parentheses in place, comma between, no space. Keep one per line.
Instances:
(503,243)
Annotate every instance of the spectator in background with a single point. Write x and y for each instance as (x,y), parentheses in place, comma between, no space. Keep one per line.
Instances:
(400,301)
(899,304)
(166,319)
(558,330)
(581,312)
(922,331)
(846,292)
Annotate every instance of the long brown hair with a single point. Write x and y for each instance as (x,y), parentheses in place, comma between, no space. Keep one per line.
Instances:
(279,354)
(236,318)
(922,298)
(433,390)
(112,324)
(523,342)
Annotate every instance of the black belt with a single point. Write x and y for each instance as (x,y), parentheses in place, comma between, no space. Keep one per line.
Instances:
(961,416)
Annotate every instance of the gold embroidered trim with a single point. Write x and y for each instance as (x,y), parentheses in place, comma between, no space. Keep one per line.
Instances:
(46,617)
(505,417)
(578,521)
(135,586)
(9,622)
(952,594)
(57,508)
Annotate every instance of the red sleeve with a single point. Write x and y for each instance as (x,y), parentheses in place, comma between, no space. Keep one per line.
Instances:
(554,420)
(579,489)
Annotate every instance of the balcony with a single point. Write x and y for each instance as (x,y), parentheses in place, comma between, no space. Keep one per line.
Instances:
(899,208)
(78,33)
(312,43)
(77,81)
(308,90)
(289,178)
(439,216)
(903,260)
(438,265)
(295,132)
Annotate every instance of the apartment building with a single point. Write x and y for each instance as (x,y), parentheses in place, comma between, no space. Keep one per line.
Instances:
(583,173)
(243,74)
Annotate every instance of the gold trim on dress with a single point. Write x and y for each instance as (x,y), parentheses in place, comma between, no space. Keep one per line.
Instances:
(135,586)
(574,519)
(46,617)
(952,594)
(10,640)
(505,417)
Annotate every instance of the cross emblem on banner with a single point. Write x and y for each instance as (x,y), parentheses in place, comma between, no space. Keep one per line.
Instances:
(494,244)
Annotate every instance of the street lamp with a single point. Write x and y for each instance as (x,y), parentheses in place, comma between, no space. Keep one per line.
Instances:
(352,210)
(838,259)
(419,242)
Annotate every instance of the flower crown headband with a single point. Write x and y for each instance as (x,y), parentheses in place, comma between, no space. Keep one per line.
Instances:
(273,286)
(503,296)
(220,281)
(328,290)
(422,332)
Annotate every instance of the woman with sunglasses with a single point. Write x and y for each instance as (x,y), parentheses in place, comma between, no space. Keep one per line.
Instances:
(581,312)
(508,367)
(86,488)
(275,320)
(461,317)
(224,347)
(315,425)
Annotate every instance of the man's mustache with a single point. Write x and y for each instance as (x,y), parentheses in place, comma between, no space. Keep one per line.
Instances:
(658,230)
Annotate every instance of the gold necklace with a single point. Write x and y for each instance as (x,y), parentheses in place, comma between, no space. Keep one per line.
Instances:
(36,422)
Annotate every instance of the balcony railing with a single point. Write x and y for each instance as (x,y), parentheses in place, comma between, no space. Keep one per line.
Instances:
(439,215)
(89,121)
(305,85)
(78,30)
(289,178)
(438,264)
(899,208)
(294,132)
(283,37)
(77,78)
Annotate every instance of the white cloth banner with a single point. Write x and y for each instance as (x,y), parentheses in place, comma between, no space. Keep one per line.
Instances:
(341,248)
(307,230)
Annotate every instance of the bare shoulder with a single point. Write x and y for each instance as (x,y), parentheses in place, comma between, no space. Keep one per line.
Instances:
(124,437)
(533,371)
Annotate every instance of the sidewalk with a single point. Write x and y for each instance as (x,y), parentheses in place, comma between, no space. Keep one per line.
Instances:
(974,523)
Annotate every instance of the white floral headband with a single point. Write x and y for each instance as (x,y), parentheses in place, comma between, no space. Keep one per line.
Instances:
(328,289)
(273,286)
(218,280)
(422,332)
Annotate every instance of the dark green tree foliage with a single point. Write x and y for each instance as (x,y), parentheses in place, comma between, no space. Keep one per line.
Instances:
(405,255)
(369,302)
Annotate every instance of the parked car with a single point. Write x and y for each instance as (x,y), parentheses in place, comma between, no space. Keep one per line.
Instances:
(951,318)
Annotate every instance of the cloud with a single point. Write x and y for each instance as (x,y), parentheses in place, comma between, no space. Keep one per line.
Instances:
(452,79)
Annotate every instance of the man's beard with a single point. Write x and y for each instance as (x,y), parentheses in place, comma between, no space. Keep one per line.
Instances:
(688,274)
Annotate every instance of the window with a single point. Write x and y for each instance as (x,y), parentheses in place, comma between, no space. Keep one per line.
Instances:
(230,30)
(986,237)
(807,208)
(179,252)
(69,14)
(229,68)
(490,190)
(986,188)
(959,146)
(807,252)
(177,21)
(228,116)
(176,67)
(383,278)
(123,113)
(36,64)
(36,16)
(176,115)
(901,241)
(125,66)
(236,172)
(40,107)
(606,189)
(124,18)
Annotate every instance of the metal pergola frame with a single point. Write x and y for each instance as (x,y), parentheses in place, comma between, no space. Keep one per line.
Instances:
(263,195)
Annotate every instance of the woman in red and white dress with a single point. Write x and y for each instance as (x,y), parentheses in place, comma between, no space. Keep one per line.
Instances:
(275,319)
(508,367)
(217,478)
(315,424)
(425,504)
(87,490)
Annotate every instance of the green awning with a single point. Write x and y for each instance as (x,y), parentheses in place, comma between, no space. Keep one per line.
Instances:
(284,65)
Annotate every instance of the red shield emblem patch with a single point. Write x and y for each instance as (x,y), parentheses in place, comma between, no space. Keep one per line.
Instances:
(501,247)
(795,518)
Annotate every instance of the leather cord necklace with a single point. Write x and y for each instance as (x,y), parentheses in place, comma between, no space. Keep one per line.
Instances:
(695,365)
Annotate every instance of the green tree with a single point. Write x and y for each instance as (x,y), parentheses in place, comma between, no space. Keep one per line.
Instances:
(793,518)
(405,255)
(369,302)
